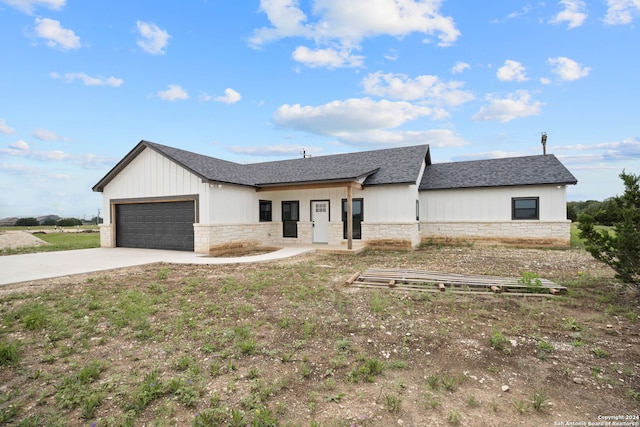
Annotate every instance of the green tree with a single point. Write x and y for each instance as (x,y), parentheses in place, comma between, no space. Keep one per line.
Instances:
(68,222)
(50,221)
(27,222)
(620,248)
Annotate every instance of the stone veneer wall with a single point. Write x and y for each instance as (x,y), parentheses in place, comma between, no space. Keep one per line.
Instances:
(392,235)
(554,233)
(207,236)
(383,235)
(106,237)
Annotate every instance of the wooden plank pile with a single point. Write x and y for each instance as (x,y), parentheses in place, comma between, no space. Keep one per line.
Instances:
(431,281)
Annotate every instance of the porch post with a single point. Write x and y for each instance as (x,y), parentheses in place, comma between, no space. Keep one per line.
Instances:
(349,218)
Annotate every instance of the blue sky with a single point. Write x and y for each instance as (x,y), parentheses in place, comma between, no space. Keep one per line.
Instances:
(82,82)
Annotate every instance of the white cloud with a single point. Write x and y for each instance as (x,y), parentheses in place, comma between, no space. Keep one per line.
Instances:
(516,105)
(48,135)
(153,39)
(482,155)
(573,13)
(628,149)
(88,80)
(278,150)
(4,128)
(22,149)
(230,96)
(343,25)
(19,145)
(392,55)
(56,36)
(85,161)
(460,67)
(362,121)
(27,6)
(512,70)
(621,12)
(329,58)
(351,115)
(15,169)
(428,88)
(568,69)
(174,92)
(287,20)
(433,137)
(525,11)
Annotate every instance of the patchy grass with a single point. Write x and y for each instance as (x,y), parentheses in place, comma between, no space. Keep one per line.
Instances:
(287,344)
(58,242)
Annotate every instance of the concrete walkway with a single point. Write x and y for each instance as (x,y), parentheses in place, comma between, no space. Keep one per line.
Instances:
(46,265)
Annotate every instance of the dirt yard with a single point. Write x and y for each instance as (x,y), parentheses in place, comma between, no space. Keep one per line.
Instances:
(288,344)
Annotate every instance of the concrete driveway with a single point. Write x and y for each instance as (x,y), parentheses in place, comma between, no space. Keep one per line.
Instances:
(46,265)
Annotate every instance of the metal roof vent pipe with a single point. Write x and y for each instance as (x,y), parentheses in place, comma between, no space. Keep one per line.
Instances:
(544,143)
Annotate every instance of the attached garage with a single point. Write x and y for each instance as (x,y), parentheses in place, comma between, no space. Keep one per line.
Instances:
(155,225)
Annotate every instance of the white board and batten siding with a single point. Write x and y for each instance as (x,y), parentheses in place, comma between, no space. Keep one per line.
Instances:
(490,204)
(231,204)
(390,203)
(151,175)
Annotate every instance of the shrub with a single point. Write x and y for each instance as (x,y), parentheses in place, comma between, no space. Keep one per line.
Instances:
(498,340)
(619,249)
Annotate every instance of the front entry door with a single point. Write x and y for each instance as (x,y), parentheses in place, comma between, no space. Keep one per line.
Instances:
(320,221)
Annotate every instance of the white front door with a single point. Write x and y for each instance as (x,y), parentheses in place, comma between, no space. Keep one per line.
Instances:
(320,220)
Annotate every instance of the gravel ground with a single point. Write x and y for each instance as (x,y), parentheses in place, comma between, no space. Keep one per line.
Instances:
(19,239)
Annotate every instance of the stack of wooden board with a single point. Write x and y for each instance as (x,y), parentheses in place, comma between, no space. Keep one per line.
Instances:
(432,281)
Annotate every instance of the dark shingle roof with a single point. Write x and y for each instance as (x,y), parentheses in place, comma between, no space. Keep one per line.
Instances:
(527,170)
(207,168)
(388,166)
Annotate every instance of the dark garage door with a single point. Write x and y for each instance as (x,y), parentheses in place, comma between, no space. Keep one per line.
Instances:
(161,225)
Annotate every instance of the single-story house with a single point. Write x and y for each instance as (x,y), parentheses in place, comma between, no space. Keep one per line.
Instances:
(167,198)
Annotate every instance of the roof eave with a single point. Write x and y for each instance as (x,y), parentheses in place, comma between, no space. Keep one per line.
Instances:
(498,186)
(99,187)
(348,179)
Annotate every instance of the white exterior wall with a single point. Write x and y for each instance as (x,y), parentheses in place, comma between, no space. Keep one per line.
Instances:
(390,216)
(231,204)
(391,203)
(485,213)
(389,213)
(150,175)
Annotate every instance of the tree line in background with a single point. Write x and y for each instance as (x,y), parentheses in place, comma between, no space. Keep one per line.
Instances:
(603,213)
(55,221)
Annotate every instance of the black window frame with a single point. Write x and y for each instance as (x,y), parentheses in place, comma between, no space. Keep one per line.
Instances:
(290,222)
(266,215)
(518,213)
(356,222)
